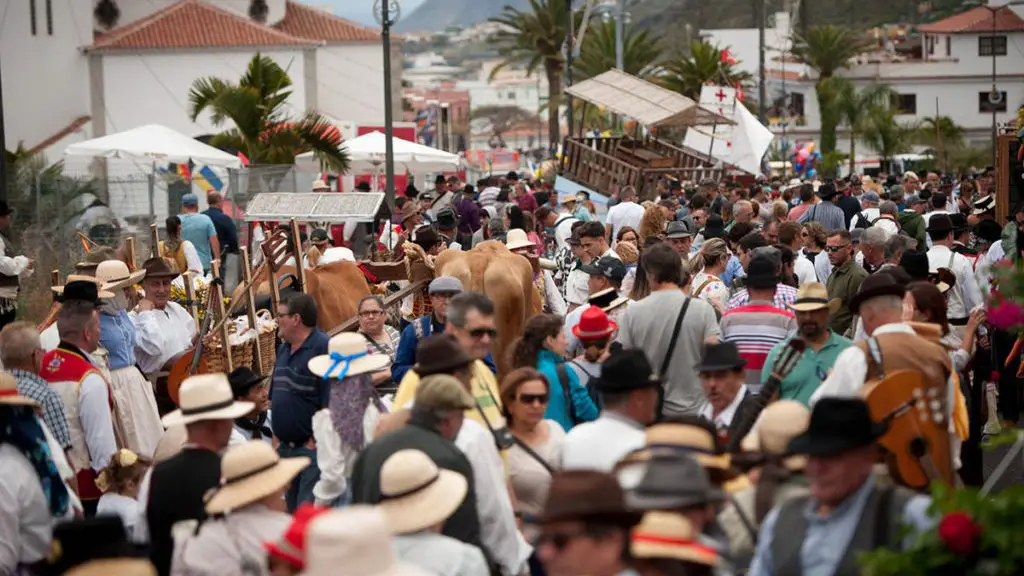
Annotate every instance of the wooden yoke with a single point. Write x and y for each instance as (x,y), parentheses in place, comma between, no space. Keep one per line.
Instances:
(217,291)
(250,301)
(275,254)
(190,295)
(300,270)
(129,253)
(154,239)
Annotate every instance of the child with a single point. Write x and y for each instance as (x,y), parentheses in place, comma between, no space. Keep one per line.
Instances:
(119,482)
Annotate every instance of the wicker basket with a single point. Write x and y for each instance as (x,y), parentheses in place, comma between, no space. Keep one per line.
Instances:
(241,355)
(268,344)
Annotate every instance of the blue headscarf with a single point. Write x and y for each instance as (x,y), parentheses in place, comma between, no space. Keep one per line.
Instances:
(20,428)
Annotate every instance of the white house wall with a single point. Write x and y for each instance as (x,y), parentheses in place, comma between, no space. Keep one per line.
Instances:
(351,82)
(45,76)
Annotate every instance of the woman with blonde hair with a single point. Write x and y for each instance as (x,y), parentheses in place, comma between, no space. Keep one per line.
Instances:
(120,482)
(711,261)
(653,221)
(780,211)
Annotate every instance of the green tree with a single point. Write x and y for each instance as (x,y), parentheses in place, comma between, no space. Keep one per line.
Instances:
(828,49)
(641,51)
(262,129)
(886,136)
(854,106)
(688,73)
(943,136)
(534,37)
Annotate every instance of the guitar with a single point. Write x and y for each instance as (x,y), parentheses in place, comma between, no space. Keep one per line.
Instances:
(191,360)
(917,440)
(783,365)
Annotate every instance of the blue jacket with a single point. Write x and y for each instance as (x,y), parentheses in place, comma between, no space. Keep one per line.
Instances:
(558,410)
(405,356)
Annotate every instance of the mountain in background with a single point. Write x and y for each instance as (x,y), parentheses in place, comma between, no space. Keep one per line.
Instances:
(437,14)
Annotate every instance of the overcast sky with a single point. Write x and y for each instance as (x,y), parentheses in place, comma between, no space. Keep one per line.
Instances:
(361,10)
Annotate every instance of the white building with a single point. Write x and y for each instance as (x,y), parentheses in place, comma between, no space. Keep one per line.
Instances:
(509,87)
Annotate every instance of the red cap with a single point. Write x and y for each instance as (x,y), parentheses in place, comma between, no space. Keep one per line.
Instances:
(594,324)
(292,546)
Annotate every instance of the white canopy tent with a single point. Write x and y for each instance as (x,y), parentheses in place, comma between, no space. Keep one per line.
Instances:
(153,143)
(366,154)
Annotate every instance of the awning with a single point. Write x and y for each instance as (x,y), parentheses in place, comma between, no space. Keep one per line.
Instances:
(643,101)
(153,143)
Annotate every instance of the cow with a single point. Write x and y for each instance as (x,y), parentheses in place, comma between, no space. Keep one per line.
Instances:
(506,278)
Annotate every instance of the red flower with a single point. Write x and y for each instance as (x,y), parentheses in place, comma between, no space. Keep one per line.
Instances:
(959,533)
(1006,315)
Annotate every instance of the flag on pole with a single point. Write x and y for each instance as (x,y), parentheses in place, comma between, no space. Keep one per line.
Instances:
(207,180)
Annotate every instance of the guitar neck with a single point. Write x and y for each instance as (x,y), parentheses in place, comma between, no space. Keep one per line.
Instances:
(758,402)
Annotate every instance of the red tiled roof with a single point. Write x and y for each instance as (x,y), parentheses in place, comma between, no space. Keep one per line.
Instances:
(315,24)
(976,20)
(57,136)
(194,24)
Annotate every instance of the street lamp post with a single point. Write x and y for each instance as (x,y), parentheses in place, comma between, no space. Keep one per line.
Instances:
(387,13)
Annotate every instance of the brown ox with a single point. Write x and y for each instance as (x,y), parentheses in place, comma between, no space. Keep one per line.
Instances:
(337,288)
(506,278)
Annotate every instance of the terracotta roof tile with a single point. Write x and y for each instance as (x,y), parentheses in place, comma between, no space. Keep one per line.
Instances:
(976,20)
(315,24)
(193,24)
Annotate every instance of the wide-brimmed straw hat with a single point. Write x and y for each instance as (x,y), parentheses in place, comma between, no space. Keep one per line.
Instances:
(416,494)
(118,566)
(353,541)
(670,535)
(206,397)
(347,356)
(676,437)
(114,274)
(516,238)
(780,422)
(249,473)
(77,288)
(9,395)
(814,296)
(320,186)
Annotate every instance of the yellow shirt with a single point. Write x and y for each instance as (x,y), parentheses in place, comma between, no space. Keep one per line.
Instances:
(484,387)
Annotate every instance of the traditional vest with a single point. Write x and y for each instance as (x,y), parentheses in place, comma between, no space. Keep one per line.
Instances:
(909,352)
(65,370)
(178,255)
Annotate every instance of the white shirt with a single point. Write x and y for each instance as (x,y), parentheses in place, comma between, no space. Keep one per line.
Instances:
(441,203)
(804,271)
(888,226)
(332,254)
(97,420)
(11,266)
(965,295)
(822,267)
(625,214)
(724,418)
(140,535)
(983,267)
(113,504)
(870,214)
(161,335)
(851,369)
(192,257)
(64,469)
(26,526)
(553,300)
(600,444)
(577,287)
(334,456)
(563,228)
(440,554)
(232,546)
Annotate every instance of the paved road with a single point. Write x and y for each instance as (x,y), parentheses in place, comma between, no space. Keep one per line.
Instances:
(1014,474)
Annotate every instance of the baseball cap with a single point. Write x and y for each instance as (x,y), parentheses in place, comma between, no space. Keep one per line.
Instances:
(189,200)
(914,200)
(319,235)
(443,392)
(445,285)
(869,197)
(608,266)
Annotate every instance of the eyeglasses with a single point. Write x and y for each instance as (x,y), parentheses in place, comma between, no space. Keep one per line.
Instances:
(479,333)
(533,398)
(559,540)
(371,313)
(836,248)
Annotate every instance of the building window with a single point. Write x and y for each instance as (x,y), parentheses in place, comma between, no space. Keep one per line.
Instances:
(986,106)
(992,46)
(49,17)
(949,45)
(796,100)
(512,95)
(905,103)
(32,15)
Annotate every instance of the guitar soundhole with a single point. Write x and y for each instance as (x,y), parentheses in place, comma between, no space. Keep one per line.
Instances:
(918,447)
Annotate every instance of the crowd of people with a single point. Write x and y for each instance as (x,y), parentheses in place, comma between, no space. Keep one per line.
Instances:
(626,434)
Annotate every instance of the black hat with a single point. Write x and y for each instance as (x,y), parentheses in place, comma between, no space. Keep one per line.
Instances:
(243,379)
(720,356)
(677,229)
(989,231)
(837,425)
(827,190)
(81,290)
(762,273)
(319,235)
(440,354)
(425,237)
(625,370)
(959,223)
(5,209)
(512,175)
(439,179)
(445,219)
(874,286)
(363,186)
(939,223)
(79,541)
(608,266)
(915,264)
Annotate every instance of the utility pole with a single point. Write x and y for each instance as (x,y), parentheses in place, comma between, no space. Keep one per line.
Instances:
(5,177)
(388,12)
(620,11)
(570,36)
(994,97)
(762,93)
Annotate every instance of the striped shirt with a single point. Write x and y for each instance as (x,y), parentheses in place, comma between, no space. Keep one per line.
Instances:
(755,329)
(488,196)
(784,294)
(830,216)
(34,387)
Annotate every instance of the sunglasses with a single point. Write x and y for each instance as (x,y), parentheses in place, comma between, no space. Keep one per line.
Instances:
(559,540)
(479,333)
(835,248)
(533,398)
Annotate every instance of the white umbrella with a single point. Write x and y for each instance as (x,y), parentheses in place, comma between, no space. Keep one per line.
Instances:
(154,143)
(366,154)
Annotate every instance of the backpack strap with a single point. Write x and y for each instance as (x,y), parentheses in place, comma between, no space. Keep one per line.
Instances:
(563,380)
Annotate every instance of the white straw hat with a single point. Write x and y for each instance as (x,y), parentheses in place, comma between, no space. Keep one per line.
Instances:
(516,238)
(249,473)
(9,395)
(780,422)
(101,292)
(206,397)
(114,274)
(353,541)
(347,356)
(319,185)
(416,494)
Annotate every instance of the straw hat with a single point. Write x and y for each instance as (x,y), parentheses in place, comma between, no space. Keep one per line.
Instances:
(114,274)
(9,395)
(119,566)
(416,494)
(206,397)
(814,296)
(320,186)
(353,541)
(780,422)
(674,437)
(516,239)
(670,535)
(249,473)
(170,444)
(100,292)
(347,356)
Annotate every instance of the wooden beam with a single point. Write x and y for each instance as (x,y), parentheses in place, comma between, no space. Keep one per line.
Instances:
(300,270)
(216,291)
(154,239)
(251,303)
(392,300)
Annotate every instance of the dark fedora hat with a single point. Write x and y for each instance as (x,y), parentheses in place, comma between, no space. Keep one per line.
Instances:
(161,268)
(939,223)
(243,379)
(86,290)
(79,541)
(720,356)
(440,354)
(988,230)
(876,285)
(590,496)
(673,481)
(626,369)
(915,264)
(837,425)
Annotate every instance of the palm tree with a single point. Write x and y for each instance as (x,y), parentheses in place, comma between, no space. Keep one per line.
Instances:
(640,51)
(828,49)
(535,37)
(853,107)
(942,135)
(262,128)
(687,74)
(886,136)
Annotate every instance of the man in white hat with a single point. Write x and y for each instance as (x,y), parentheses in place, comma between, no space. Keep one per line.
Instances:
(518,243)
(163,329)
(179,484)
(354,541)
